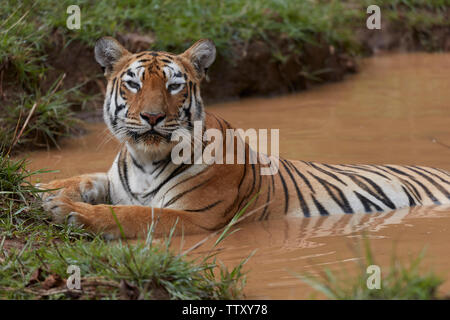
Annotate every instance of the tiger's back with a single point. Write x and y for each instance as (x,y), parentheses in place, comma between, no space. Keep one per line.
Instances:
(301,188)
(310,189)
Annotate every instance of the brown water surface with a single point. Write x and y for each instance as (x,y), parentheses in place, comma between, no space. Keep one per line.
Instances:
(396,110)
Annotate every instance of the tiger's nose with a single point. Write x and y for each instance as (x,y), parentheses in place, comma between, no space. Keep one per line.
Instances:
(153,118)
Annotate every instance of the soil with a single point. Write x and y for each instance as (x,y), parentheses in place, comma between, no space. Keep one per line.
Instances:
(395,36)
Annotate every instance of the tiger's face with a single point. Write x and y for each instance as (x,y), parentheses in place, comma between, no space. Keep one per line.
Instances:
(151,94)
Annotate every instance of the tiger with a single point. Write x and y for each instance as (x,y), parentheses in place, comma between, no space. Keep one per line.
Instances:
(150,95)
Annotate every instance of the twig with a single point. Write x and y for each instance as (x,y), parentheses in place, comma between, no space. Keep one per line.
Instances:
(16,139)
(434,140)
(15,131)
(24,125)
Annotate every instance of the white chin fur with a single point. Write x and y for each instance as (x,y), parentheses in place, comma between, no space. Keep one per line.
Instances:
(153,152)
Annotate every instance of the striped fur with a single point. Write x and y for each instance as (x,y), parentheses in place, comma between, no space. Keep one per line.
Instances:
(144,185)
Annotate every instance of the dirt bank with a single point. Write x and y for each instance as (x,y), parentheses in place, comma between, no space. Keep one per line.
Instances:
(248,69)
(251,68)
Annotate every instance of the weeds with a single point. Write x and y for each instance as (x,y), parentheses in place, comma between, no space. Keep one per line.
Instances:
(156,273)
(402,282)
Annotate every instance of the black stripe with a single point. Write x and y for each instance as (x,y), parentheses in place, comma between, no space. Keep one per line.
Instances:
(123,173)
(220,123)
(265,213)
(229,126)
(157,165)
(144,53)
(412,203)
(432,181)
(243,176)
(364,169)
(367,203)
(162,169)
(405,182)
(212,205)
(189,178)
(342,202)
(322,210)
(108,107)
(108,199)
(188,109)
(327,173)
(412,189)
(427,191)
(253,178)
(302,176)
(286,195)
(178,196)
(116,104)
(174,173)
(433,174)
(273,184)
(378,194)
(258,188)
(301,200)
(442,171)
(136,163)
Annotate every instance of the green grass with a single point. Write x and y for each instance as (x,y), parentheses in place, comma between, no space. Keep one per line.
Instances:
(151,270)
(414,14)
(176,23)
(34,251)
(400,282)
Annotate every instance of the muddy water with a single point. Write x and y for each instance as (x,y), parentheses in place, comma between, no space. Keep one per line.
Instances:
(397,110)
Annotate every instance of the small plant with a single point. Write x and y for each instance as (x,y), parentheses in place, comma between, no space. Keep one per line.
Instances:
(402,282)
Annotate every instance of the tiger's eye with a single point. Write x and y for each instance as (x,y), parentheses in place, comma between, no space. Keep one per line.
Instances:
(174,86)
(133,84)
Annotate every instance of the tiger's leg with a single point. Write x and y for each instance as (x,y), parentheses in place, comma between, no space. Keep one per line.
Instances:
(88,188)
(135,220)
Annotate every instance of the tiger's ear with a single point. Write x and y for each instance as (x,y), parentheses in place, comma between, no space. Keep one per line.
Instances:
(107,52)
(202,54)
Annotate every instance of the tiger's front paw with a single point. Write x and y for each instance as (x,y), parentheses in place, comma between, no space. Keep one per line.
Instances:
(85,221)
(58,206)
(48,190)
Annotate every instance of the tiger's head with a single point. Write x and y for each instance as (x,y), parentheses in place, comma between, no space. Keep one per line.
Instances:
(152,94)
